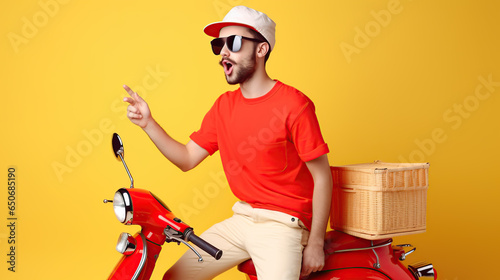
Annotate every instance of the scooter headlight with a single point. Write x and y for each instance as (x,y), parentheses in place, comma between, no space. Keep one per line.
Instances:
(122,205)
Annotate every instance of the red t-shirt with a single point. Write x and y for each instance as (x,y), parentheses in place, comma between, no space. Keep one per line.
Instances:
(264,143)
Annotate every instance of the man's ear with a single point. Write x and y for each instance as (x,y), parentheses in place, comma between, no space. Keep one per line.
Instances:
(262,49)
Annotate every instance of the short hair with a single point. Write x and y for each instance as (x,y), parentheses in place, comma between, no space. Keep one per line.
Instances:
(259,36)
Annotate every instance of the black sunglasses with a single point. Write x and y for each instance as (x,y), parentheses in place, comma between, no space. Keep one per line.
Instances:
(233,42)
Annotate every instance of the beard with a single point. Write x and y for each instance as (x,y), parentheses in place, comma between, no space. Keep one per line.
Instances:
(243,72)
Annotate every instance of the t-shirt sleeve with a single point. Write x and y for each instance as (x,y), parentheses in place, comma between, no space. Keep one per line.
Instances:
(206,136)
(306,134)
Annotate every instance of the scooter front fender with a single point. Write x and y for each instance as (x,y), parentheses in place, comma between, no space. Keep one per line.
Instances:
(140,264)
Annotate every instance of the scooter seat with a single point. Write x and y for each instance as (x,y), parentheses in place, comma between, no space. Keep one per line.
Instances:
(247,267)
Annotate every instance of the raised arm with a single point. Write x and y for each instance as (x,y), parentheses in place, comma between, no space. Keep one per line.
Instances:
(184,156)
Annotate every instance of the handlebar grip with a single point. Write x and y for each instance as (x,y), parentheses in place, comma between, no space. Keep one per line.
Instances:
(205,246)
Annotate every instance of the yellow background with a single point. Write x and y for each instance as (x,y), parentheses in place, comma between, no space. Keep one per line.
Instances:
(398,88)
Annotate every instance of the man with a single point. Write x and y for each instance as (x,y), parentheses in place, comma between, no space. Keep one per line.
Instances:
(273,155)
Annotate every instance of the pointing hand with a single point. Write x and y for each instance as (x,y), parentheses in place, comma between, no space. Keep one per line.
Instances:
(138,110)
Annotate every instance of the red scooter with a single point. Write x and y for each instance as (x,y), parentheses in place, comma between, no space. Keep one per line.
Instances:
(346,257)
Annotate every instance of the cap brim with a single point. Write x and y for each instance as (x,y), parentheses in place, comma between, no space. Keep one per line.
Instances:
(213,29)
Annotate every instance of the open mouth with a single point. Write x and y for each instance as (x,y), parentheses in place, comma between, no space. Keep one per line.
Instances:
(228,67)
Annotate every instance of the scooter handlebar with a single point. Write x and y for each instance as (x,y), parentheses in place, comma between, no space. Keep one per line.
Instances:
(205,246)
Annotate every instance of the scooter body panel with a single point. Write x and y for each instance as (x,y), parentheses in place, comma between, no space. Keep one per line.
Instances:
(133,264)
(345,273)
(349,273)
(377,261)
(140,264)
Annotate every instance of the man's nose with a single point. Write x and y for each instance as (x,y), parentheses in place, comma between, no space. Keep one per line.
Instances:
(225,51)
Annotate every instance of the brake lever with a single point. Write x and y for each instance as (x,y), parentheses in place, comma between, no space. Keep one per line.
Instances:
(175,236)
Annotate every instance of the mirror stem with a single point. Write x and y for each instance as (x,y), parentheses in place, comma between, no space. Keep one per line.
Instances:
(120,153)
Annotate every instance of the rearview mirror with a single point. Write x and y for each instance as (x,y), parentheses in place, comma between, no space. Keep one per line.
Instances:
(117,146)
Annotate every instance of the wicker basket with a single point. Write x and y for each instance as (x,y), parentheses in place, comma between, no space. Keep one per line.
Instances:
(379,200)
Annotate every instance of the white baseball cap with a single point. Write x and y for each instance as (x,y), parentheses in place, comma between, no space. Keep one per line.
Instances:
(247,17)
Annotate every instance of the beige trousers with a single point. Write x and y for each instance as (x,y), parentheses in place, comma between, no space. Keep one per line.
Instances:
(272,239)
